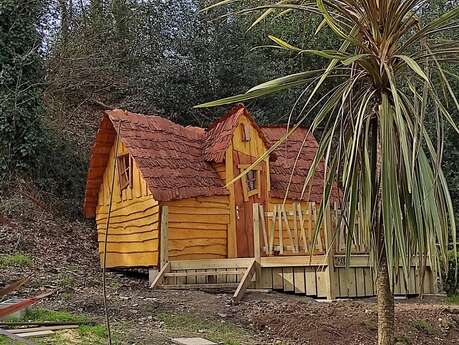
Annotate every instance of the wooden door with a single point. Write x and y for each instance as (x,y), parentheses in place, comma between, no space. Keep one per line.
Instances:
(248,190)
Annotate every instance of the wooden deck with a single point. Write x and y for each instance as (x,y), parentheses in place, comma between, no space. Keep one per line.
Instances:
(315,270)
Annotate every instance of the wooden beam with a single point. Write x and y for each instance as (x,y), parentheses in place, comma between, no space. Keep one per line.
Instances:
(263,227)
(221,286)
(202,274)
(331,280)
(210,263)
(294,261)
(164,252)
(42,328)
(245,281)
(15,337)
(257,242)
(229,175)
(161,275)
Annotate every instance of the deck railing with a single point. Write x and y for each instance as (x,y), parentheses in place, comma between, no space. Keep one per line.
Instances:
(291,230)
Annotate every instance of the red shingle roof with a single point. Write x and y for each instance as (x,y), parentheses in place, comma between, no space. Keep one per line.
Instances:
(169,157)
(175,161)
(221,131)
(281,169)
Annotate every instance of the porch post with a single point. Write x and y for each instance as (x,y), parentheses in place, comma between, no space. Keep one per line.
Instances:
(256,243)
(164,252)
(331,281)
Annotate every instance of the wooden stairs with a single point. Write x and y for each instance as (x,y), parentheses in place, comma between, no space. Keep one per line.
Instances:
(219,274)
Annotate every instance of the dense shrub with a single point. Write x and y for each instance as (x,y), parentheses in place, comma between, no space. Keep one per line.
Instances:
(451,284)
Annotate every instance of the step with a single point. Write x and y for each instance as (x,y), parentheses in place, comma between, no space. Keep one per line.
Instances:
(222,286)
(203,274)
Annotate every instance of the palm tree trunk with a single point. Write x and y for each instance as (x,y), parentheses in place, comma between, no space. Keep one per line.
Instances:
(385,304)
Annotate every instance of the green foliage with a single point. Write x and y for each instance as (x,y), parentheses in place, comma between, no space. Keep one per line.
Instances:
(7,341)
(424,326)
(451,284)
(454,299)
(17,259)
(375,139)
(41,314)
(21,133)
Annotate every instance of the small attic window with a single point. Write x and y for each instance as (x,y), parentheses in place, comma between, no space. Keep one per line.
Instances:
(252,180)
(125,171)
(245,131)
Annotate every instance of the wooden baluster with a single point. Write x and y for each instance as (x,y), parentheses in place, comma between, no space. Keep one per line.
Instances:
(303,230)
(263,227)
(295,227)
(273,230)
(281,240)
(289,231)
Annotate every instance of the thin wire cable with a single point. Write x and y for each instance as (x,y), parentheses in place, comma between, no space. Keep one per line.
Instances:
(104,270)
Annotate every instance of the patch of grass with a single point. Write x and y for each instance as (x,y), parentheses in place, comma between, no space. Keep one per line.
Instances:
(67,281)
(370,324)
(217,331)
(7,341)
(454,299)
(41,314)
(18,259)
(97,330)
(424,326)
(84,335)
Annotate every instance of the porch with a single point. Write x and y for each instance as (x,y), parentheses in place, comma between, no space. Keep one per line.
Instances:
(287,258)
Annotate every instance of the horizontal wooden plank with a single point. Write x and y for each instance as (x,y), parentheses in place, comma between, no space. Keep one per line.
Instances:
(131,259)
(130,247)
(207,219)
(208,264)
(198,256)
(201,274)
(199,211)
(140,220)
(126,229)
(198,242)
(174,224)
(185,234)
(362,260)
(197,204)
(128,206)
(294,261)
(140,237)
(221,286)
(200,201)
(219,249)
(143,201)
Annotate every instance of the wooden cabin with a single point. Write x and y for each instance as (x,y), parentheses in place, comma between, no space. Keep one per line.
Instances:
(173,211)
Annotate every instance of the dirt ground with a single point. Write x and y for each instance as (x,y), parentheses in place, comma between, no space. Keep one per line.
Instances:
(63,257)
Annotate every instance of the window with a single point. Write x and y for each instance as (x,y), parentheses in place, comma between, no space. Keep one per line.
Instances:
(245,131)
(125,171)
(252,180)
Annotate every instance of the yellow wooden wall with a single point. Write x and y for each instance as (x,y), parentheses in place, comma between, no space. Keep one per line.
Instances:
(198,228)
(134,221)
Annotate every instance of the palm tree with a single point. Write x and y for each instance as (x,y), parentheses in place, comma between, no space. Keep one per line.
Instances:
(375,141)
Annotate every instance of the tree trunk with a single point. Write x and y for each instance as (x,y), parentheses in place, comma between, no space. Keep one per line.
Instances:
(385,305)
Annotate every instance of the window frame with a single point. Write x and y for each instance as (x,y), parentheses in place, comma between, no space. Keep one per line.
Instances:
(124,170)
(245,132)
(245,181)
